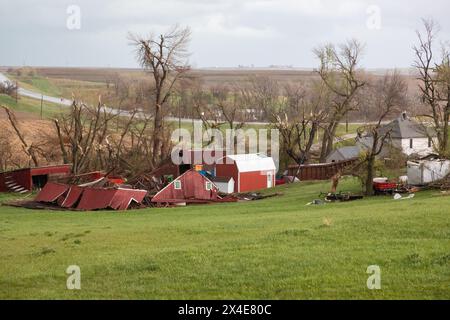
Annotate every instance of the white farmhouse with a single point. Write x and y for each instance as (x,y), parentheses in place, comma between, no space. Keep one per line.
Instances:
(406,135)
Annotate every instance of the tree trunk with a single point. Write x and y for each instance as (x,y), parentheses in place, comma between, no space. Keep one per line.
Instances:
(157,132)
(328,140)
(369,178)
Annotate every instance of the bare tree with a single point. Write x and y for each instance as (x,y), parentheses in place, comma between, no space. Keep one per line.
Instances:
(386,95)
(82,134)
(434,78)
(204,106)
(165,57)
(298,119)
(338,70)
(29,149)
(230,105)
(261,96)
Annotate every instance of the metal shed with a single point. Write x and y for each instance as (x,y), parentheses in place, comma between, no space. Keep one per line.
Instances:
(250,171)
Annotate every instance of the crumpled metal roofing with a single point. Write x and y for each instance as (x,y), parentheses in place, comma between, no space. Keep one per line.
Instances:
(117,199)
(51,192)
(84,198)
(73,196)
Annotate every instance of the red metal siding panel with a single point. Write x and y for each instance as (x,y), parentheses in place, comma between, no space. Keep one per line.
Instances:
(123,198)
(93,199)
(23,178)
(60,169)
(252,181)
(73,196)
(120,199)
(51,192)
(3,187)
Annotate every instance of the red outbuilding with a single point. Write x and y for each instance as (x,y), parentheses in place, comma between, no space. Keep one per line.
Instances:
(190,187)
(27,179)
(250,171)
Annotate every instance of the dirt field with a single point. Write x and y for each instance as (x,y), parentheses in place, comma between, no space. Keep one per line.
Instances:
(210,77)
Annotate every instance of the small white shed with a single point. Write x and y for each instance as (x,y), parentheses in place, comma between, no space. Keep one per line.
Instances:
(224,184)
(426,171)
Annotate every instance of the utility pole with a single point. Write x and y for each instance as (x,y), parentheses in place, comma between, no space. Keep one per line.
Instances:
(179,121)
(17,92)
(346,123)
(42,103)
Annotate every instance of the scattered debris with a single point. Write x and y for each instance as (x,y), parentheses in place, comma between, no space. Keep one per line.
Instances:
(382,186)
(157,179)
(251,196)
(443,184)
(424,172)
(342,196)
(316,202)
(398,196)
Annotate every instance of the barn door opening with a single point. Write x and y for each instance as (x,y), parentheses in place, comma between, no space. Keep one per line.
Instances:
(269,180)
(39,181)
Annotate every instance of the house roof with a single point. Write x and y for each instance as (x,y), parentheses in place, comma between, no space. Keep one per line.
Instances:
(252,162)
(347,153)
(404,128)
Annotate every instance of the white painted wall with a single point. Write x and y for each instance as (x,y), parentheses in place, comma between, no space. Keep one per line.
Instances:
(225,187)
(420,146)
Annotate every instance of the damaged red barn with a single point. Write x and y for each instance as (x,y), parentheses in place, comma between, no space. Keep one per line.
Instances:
(190,187)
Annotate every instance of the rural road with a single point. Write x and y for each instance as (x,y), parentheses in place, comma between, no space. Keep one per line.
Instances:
(36,95)
(67,103)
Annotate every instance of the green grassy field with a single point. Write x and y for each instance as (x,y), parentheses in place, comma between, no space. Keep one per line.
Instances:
(277,248)
(60,87)
(32,106)
(39,84)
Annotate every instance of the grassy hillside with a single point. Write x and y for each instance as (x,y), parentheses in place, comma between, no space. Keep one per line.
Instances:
(277,248)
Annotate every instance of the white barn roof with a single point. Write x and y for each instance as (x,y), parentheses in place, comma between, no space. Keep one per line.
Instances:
(252,162)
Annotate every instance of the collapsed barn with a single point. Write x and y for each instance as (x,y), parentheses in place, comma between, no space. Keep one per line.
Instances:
(89,198)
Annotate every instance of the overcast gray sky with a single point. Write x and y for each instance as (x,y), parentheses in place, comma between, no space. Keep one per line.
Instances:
(225,33)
